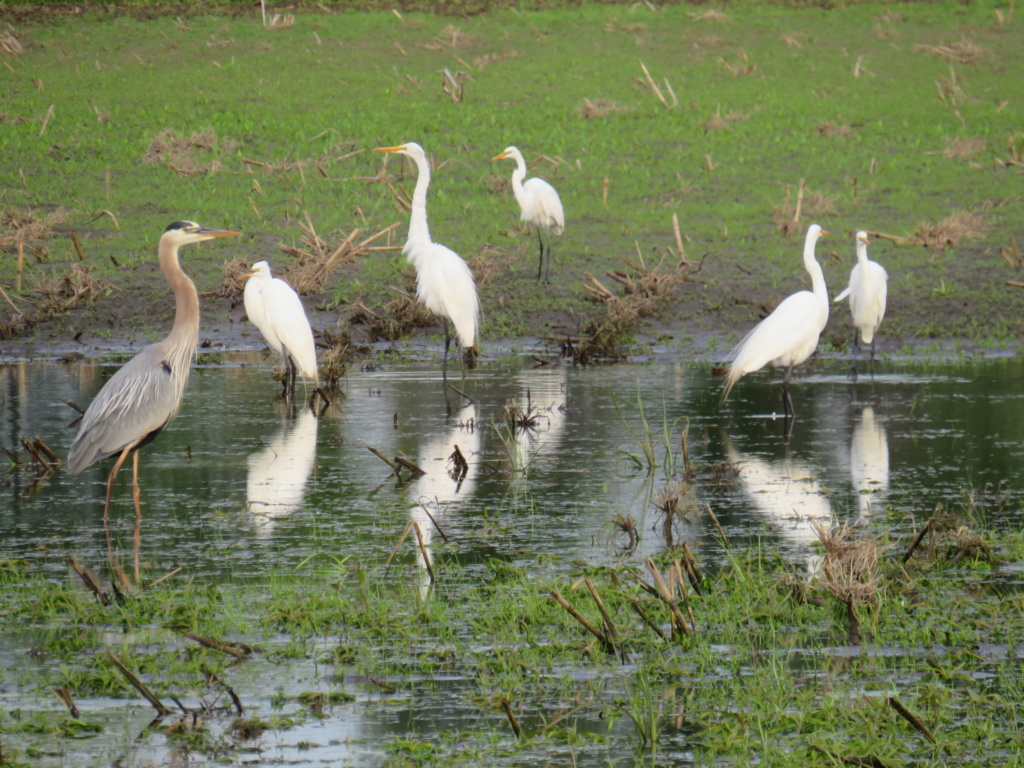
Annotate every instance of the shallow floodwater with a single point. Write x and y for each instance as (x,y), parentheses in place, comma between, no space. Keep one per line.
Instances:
(241,484)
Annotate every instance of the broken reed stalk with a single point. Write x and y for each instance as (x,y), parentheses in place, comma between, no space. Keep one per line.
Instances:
(799,202)
(679,240)
(401,540)
(423,550)
(654,87)
(605,642)
(89,581)
(382,457)
(666,596)
(718,527)
(609,626)
(927,527)
(237,702)
(139,686)
(63,694)
(911,718)
(635,605)
(238,650)
(21,264)
(416,471)
(692,570)
(678,569)
(511,718)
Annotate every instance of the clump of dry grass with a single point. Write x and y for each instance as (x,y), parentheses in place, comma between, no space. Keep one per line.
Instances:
(181,154)
(607,331)
(718,122)
(850,570)
(956,149)
(9,43)
(489,263)
(232,285)
(953,230)
(61,292)
(831,130)
(960,52)
(394,320)
(315,261)
(25,226)
(340,351)
(625,527)
(789,217)
(600,108)
(493,58)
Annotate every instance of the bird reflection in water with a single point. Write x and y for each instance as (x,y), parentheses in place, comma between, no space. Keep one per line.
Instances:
(446,481)
(787,494)
(869,462)
(278,474)
(537,415)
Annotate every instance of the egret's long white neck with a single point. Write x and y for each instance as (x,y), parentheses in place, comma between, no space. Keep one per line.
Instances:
(814,268)
(517,178)
(419,232)
(180,344)
(862,252)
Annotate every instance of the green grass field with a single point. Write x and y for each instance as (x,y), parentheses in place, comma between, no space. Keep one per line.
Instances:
(895,118)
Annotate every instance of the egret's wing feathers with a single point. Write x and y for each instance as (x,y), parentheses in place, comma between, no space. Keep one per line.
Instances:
(444,283)
(545,205)
(287,319)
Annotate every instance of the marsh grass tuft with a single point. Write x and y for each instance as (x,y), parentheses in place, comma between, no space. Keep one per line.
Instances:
(60,292)
(394,320)
(952,230)
(232,286)
(185,155)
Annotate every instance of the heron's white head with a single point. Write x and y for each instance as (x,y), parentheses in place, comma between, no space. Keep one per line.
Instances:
(512,152)
(412,149)
(184,232)
(260,269)
(862,237)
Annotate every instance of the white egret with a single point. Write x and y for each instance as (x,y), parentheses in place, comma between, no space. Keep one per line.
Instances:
(867,292)
(444,282)
(276,310)
(140,399)
(539,205)
(789,335)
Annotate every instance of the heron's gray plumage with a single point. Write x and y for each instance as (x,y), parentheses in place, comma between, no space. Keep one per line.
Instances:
(139,400)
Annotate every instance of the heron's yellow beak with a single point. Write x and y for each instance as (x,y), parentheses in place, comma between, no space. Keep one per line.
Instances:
(823,233)
(208,232)
(502,156)
(389,149)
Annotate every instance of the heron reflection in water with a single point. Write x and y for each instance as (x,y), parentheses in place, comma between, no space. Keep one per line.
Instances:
(278,474)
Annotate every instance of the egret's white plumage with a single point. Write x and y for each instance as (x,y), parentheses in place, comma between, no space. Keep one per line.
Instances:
(867,292)
(444,282)
(789,335)
(276,310)
(539,205)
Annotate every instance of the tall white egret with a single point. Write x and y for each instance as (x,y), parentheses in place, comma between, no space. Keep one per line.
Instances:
(276,310)
(867,292)
(539,205)
(789,335)
(140,399)
(444,282)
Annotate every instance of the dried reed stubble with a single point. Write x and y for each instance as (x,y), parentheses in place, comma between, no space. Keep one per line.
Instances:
(9,43)
(232,285)
(961,52)
(25,226)
(600,108)
(953,230)
(394,320)
(61,292)
(182,154)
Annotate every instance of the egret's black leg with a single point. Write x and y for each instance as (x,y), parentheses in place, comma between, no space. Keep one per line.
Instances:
(855,349)
(787,401)
(447,345)
(540,265)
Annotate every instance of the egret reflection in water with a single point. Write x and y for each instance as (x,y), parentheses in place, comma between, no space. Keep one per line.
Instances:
(445,484)
(278,474)
(869,462)
(787,494)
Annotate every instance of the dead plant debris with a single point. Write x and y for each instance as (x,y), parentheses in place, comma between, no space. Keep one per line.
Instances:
(957,149)
(62,292)
(232,285)
(182,154)
(961,52)
(9,43)
(953,230)
(395,320)
(600,108)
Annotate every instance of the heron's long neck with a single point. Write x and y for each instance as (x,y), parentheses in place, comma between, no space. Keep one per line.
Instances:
(180,344)
(418,230)
(817,276)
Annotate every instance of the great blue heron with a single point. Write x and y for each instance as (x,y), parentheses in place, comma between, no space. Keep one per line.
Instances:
(867,292)
(141,398)
(276,310)
(444,282)
(539,205)
(789,335)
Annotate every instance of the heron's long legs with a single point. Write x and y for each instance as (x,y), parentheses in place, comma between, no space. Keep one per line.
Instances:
(137,536)
(112,475)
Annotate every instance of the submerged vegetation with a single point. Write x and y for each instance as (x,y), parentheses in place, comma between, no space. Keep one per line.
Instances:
(745,658)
